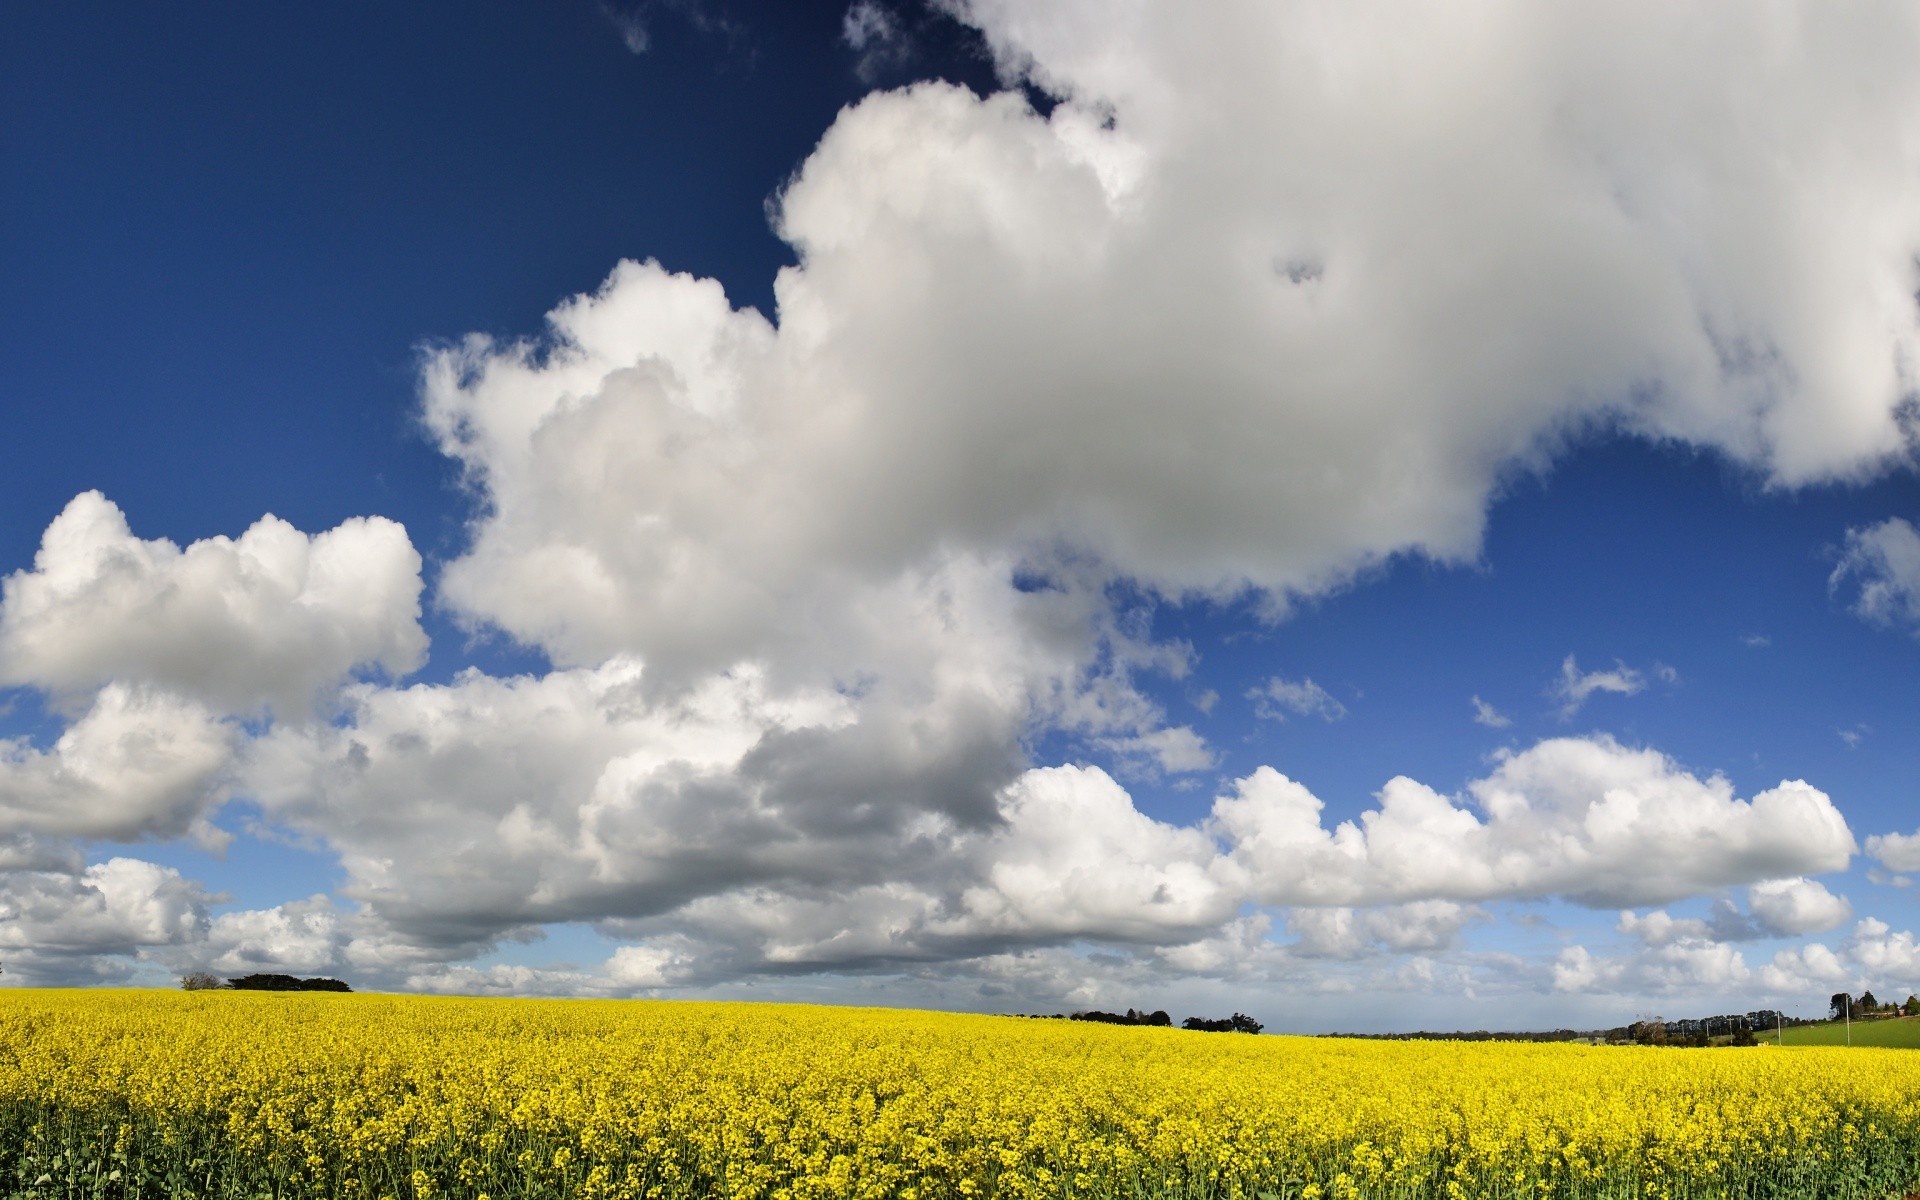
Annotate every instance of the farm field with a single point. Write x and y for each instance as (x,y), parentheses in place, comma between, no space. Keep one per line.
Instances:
(122,1094)
(1888,1031)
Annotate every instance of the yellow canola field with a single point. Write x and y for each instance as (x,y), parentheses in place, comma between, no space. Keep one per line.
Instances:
(111,1094)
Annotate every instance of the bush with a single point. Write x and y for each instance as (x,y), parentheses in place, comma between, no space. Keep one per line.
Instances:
(200,981)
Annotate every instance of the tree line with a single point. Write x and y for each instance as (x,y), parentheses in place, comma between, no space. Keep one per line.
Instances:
(200,981)
(1237,1023)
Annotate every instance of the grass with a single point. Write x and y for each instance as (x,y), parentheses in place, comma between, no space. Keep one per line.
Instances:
(1901,1032)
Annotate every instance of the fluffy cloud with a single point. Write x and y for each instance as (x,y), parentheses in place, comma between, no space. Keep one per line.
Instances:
(1194,337)
(1883,562)
(1793,907)
(1424,926)
(70,927)
(1804,970)
(1776,908)
(1273,295)
(268,619)
(1583,818)
(774,835)
(1895,851)
(139,763)
(1674,967)
(1885,956)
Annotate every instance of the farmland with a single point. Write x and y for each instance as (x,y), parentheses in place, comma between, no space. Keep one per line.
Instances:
(1902,1032)
(114,1094)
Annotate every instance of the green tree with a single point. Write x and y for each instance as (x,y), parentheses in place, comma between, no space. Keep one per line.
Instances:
(1868,1003)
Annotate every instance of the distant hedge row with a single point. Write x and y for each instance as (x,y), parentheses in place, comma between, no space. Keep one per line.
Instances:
(200,982)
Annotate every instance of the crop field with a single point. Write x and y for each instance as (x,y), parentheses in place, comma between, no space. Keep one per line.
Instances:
(1878,1031)
(120,1094)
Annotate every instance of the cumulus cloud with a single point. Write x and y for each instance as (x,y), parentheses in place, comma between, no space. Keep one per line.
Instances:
(1895,851)
(1424,926)
(1804,969)
(1872,956)
(1881,564)
(271,618)
(1583,818)
(786,836)
(1792,907)
(1674,967)
(1275,699)
(1010,333)
(63,927)
(1269,298)
(139,763)
(1776,908)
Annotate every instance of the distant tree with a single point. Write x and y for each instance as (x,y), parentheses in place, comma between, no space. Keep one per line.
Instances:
(1868,1003)
(1743,1036)
(1237,1023)
(286,983)
(1912,1006)
(200,981)
(1840,1005)
(1132,1017)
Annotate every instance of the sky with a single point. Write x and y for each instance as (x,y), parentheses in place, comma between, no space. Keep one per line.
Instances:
(1378,518)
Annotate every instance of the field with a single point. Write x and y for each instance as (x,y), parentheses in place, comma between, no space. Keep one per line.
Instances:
(122,1094)
(1883,1031)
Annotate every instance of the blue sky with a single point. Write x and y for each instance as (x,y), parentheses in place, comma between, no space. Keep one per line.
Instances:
(939,550)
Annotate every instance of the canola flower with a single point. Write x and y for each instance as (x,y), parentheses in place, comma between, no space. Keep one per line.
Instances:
(147,1094)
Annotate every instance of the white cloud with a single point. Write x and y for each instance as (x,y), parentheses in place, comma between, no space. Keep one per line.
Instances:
(1895,851)
(1804,970)
(59,927)
(1174,750)
(1273,700)
(1682,966)
(1583,818)
(139,763)
(790,835)
(1273,296)
(272,618)
(1890,961)
(1793,907)
(1574,686)
(1883,562)
(1424,926)
(1009,334)
(1486,714)
(1776,908)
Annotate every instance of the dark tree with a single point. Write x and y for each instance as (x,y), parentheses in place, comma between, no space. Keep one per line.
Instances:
(286,983)
(1237,1023)
(1868,1003)
(1840,1005)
